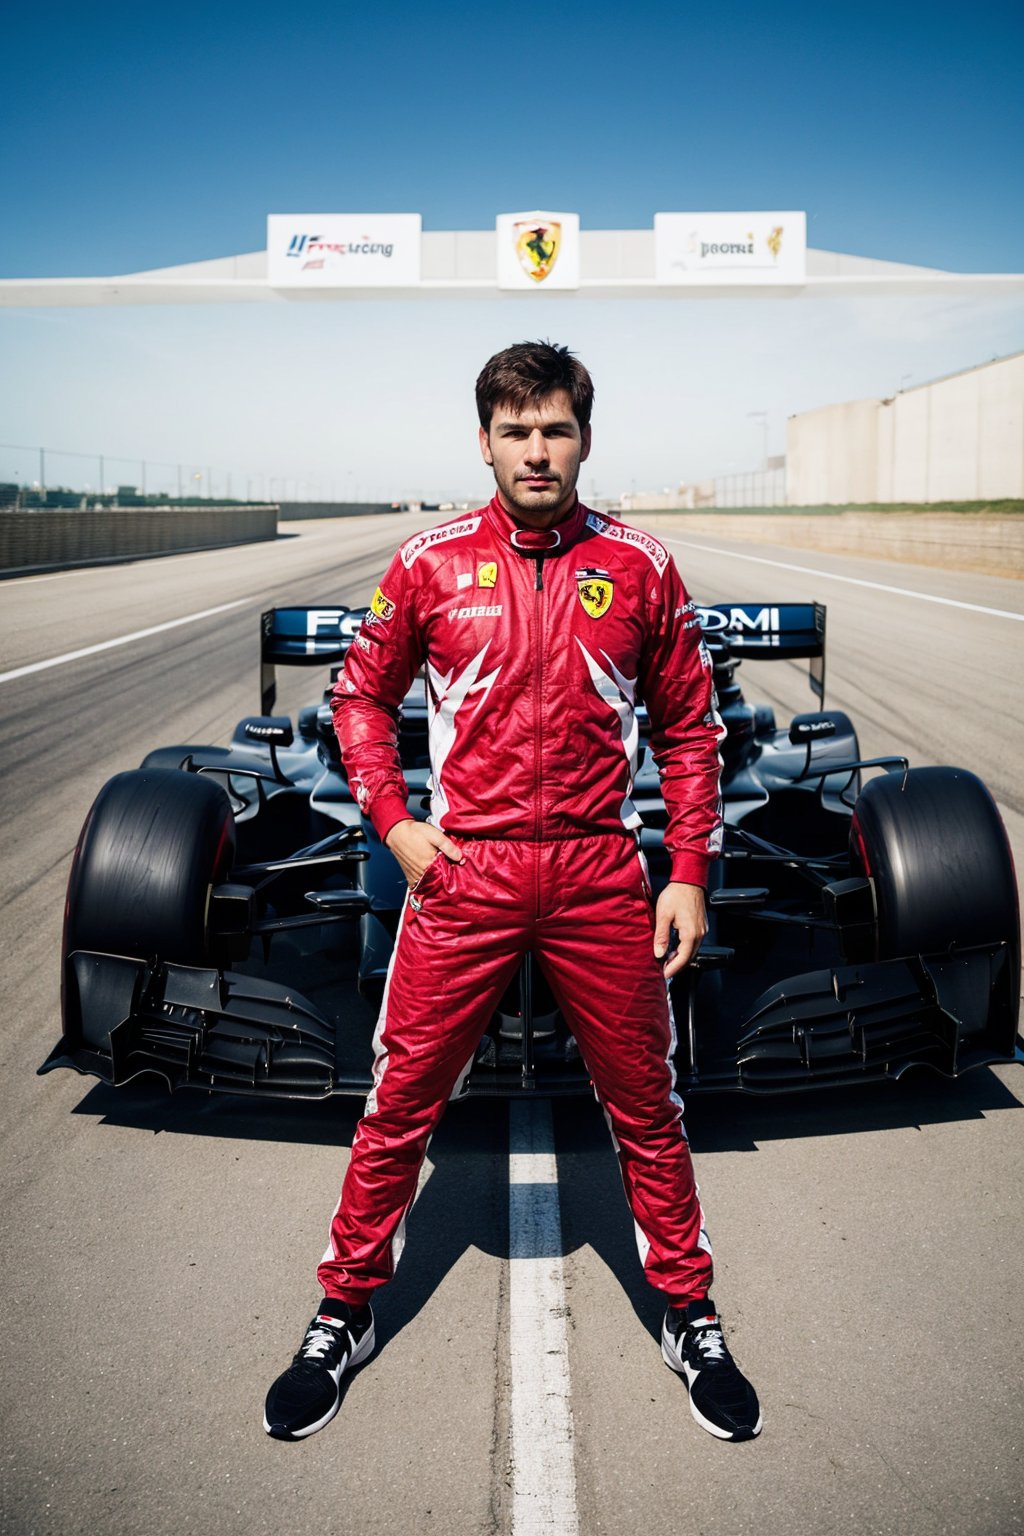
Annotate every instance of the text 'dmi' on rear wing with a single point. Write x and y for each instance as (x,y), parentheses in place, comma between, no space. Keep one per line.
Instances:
(303,637)
(771,631)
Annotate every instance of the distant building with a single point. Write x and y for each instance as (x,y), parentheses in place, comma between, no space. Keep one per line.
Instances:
(657,501)
(959,438)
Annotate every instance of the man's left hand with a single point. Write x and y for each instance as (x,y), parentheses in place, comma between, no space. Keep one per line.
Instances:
(680,907)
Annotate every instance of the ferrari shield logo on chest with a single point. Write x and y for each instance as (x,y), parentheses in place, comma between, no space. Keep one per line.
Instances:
(596,590)
(487,575)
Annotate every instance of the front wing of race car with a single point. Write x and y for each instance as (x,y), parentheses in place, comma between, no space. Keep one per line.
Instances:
(224,1030)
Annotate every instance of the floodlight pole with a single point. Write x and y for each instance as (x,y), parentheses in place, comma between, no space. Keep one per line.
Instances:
(762,417)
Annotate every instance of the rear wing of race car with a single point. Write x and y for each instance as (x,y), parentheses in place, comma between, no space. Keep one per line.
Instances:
(303,637)
(322,633)
(770,631)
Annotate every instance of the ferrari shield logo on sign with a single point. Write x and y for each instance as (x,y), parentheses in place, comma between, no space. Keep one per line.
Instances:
(487,574)
(537,247)
(596,593)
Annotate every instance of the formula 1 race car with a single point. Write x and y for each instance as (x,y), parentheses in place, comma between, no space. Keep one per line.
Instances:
(231,914)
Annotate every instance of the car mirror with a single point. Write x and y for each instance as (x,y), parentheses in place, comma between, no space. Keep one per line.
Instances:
(803,729)
(276,730)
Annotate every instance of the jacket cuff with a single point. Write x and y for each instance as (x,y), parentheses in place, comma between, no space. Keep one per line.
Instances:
(386,812)
(690,868)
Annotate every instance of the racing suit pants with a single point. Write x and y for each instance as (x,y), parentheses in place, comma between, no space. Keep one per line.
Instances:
(583,907)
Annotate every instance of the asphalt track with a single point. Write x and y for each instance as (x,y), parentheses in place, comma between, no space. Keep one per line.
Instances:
(158,1252)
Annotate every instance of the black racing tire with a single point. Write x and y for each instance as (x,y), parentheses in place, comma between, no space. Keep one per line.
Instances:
(936,849)
(153,846)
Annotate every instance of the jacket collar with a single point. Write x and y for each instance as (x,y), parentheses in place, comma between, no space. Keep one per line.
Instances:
(531,542)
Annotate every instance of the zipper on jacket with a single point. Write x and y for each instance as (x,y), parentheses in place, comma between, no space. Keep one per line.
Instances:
(538,746)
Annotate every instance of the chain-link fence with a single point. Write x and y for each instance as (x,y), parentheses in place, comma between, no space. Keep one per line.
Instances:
(56,477)
(752,488)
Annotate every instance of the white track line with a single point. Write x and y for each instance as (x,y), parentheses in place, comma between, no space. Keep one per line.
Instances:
(108,645)
(543,1470)
(853,581)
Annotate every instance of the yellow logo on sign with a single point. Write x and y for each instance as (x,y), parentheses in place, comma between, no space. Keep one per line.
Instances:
(382,606)
(596,595)
(487,575)
(537,246)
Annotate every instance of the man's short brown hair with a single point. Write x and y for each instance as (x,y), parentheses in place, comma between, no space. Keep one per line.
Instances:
(524,374)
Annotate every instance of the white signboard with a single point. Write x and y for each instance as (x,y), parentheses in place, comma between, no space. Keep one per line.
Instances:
(538,250)
(343,250)
(721,248)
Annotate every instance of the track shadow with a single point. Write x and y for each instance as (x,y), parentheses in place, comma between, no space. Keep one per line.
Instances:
(739,1122)
(716,1122)
(464,1204)
(147,1105)
(594,1209)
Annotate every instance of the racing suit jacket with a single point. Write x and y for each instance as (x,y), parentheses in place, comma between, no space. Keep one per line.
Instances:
(537,647)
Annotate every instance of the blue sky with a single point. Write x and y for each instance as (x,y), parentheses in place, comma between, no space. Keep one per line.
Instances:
(152,135)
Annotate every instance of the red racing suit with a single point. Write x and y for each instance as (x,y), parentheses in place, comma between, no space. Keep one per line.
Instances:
(537,646)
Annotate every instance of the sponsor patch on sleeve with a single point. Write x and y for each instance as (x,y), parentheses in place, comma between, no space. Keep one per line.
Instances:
(688,614)
(656,553)
(460,529)
(382,606)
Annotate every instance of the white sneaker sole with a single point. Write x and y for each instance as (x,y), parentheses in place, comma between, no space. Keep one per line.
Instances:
(362,1351)
(675,1363)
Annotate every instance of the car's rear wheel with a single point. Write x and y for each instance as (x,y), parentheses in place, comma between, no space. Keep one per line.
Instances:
(934,845)
(153,846)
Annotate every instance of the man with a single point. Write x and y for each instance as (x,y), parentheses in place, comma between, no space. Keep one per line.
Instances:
(540,624)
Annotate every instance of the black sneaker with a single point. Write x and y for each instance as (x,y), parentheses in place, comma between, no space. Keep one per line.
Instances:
(308,1394)
(721,1398)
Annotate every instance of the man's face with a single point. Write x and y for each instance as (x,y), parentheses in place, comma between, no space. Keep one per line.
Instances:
(536,457)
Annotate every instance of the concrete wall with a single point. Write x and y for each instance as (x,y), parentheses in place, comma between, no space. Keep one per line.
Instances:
(961,438)
(42,540)
(832,454)
(953,541)
(958,439)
